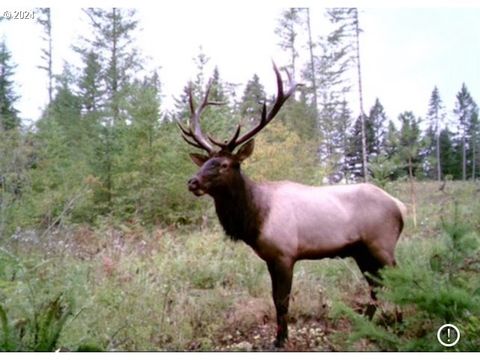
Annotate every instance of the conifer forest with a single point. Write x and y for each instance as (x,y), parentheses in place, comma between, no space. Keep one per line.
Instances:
(103,248)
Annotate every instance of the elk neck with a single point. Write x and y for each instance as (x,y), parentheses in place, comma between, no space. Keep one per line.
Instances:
(241,209)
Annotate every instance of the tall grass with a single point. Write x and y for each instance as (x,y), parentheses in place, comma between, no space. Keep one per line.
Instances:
(126,287)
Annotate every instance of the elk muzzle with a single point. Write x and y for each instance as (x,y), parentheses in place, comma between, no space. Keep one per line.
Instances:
(195,187)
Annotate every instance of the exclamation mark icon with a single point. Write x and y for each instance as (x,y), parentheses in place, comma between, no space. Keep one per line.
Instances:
(448,335)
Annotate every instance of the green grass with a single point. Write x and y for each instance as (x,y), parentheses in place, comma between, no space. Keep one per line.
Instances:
(131,288)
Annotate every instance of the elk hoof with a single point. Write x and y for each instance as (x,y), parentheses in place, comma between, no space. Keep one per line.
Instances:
(370,311)
(279,343)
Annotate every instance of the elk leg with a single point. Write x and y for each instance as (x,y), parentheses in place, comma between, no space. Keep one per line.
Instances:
(281,274)
(370,266)
(370,263)
(373,283)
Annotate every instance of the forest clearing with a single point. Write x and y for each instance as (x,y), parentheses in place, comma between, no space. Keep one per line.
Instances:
(131,288)
(103,246)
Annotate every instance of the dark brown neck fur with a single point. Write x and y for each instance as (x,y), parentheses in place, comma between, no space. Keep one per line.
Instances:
(240,209)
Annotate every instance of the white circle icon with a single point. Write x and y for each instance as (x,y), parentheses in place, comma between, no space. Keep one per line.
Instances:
(448,335)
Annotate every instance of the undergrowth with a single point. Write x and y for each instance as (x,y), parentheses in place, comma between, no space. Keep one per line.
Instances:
(445,289)
(125,287)
(36,323)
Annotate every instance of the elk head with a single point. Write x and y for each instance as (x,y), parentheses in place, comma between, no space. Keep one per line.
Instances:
(221,167)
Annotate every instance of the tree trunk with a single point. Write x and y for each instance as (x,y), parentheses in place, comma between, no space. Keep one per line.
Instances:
(439,166)
(464,158)
(474,156)
(293,37)
(413,195)
(45,20)
(360,93)
(50,69)
(312,65)
(115,109)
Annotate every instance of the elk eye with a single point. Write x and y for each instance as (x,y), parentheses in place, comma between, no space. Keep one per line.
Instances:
(212,165)
(224,165)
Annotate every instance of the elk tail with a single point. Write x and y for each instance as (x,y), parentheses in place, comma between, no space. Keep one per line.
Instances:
(402,207)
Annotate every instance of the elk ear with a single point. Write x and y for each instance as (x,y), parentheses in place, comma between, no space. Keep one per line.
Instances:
(198,159)
(246,150)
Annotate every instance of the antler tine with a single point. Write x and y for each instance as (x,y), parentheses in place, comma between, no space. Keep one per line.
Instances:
(279,80)
(205,101)
(194,132)
(227,144)
(267,117)
(215,141)
(232,142)
(191,142)
(190,98)
(194,135)
(184,131)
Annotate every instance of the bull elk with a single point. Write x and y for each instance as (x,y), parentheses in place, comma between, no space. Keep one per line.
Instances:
(284,222)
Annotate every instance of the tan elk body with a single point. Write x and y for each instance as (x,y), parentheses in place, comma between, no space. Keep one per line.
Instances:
(306,222)
(284,222)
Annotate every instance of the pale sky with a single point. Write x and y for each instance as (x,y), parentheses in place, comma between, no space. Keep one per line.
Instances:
(405,51)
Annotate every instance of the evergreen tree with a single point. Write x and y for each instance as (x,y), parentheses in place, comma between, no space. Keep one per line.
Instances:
(16,157)
(428,153)
(299,117)
(464,109)
(44,18)
(410,153)
(9,118)
(67,106)
(137,181)
(348,33)
(113,30)
(220,120)
(391,140)
(90,83)
(197,87)
(409,142)
(62,157)
(360,93)
(91,95)
(333,85)
(14,149)
(474,132)
(309,72)
(62,119)
(217,121)
(291,23)
(344,121)
(450,156)
(375,130)
(435,116)
(354,153)
(217,93)
(332,68)
(288,32)
(252,98)
(335,120)
(333,71)
(382,150)
(119,60)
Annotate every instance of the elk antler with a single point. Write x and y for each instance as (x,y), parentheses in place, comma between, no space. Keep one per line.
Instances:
(194,135)
(266,117)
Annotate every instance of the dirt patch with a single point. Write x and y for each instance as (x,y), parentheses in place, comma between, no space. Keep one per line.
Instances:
(250,326)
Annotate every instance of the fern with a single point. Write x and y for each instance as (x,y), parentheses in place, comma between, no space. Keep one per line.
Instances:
(52,321)
(7,342)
